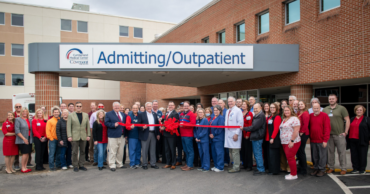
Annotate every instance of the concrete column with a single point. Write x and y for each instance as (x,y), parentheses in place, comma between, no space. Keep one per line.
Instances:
(302,92)
(46,90)
(206,100)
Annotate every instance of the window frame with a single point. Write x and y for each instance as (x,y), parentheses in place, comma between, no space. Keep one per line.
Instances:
(4,49)
(11,19)
(321,6)
(78,79)
(236,31)
(218,36)
(128,31)
(204,39)
(17,74)
(66,86)
(87,27)
(4,19)
(16,55)
(259,21)
(61,25)
(286,11)
(4,79)
(142,33)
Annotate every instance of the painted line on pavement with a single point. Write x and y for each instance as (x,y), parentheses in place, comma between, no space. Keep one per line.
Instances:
(340,183)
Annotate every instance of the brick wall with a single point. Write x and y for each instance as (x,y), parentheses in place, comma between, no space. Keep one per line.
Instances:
(334,45)
(131,92)
(302,92)
(6,106)
(46,90)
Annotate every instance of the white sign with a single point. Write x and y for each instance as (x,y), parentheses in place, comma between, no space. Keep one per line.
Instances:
(145,56)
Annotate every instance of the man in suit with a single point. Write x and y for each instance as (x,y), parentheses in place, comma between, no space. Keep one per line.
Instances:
(148,135)
(116,139)
(170,140)
(159,143)
(78,131)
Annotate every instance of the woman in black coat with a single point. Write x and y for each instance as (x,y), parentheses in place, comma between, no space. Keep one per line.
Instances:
(358,140)
(63,143)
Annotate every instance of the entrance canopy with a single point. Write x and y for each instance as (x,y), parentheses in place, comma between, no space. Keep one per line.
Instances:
(193,65)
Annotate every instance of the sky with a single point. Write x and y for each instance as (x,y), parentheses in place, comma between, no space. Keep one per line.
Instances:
(163,10)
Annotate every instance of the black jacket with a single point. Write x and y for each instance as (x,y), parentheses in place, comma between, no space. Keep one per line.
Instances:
(143,119)
(98,131)
(277,141)
(175,115)
(258,127)
(364,132)
(62,132)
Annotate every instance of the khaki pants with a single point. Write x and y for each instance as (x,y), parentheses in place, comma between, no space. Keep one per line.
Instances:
(338,141)
(115,154)
(91,150)
(283,161)
(78,146)
(235,154)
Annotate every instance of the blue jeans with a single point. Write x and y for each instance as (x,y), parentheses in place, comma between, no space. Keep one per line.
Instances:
(134,151)
(257,151)
(102,153)
(96,154)
(65,155)
(226,156)
(204,155)
(187,145)
(218,153)
(54,151)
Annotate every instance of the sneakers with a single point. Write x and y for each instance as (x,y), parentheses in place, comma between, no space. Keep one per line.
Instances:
(355,172)
(64,168)
(362,172)
(226,164)
(217,170)
(204,170)
(133,167)
(52,169)
(290,177)
(200,169)
(70,166)
(256,173)
(30,165)
(16,168)
(213,169)
(138,165)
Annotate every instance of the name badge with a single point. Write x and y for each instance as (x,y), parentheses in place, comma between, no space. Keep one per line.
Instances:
(135,120)
(7,126)
(38,124)
(270,121)
(330,115)
(248,118)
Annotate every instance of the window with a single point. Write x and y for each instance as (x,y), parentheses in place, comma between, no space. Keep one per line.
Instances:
(81,26)
(205,40)
(2,18)
(123,30)
(240,32)
(2,49)
(66,81)
(66,25)
(221,37)
(138,33)
(354,94)
(329,4)
(17,50)
(323,94)
(2,79)
(17,79)
(83,82)
(17,19)
(263,23)
(31,107)
(293,11)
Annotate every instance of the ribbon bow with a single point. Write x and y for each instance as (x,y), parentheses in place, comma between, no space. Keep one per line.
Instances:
(172,126)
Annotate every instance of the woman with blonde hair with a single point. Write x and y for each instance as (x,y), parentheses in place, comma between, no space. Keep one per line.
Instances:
(39,137)
(10,149)
(100,135)
(201,135)
(23,129)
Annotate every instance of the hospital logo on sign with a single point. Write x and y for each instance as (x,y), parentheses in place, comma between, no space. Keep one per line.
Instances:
(75,56)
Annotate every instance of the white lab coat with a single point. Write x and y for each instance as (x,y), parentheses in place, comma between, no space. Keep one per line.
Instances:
(235,118)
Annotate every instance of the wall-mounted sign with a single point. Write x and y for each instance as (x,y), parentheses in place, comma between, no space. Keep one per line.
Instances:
(202,56)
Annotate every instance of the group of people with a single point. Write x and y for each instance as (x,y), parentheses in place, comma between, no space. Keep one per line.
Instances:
(276,134)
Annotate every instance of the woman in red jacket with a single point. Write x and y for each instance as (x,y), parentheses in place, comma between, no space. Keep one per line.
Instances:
(39,138)
(273,137)
(10,149)
(304,117)
(246,142)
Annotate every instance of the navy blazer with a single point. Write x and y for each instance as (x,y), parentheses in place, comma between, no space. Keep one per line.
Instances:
(202,133)
(110,119)
(143,119)
(218,133)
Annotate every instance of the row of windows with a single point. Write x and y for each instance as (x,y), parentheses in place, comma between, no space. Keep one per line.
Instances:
(292,14)
(66,25)
(17,50)
(17,79)
(67,82)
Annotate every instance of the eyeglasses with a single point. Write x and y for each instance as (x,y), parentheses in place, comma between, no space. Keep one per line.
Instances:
(78,106)
(18,107)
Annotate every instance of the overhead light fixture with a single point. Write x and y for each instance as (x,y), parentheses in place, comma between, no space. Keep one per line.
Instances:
(97,72)
(161,72)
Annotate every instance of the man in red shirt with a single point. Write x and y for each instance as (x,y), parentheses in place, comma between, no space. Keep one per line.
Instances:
(319,137)
(187,135)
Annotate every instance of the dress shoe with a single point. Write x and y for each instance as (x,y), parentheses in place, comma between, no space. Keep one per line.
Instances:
(159,161)
(75,169)
(145,167)
(82,168)
(184,166)
(30,165)
(113,169)
(123,167)
(155,167)
(343,172)
(187,169)
(329,171)
(248,169)
(173,167)
(178,163)
(87,160)
(314,173)
(105,163)
(167,166)
(100,168)
(39,169)
(320,173)
(95,164)
(258,173)
(104,167)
